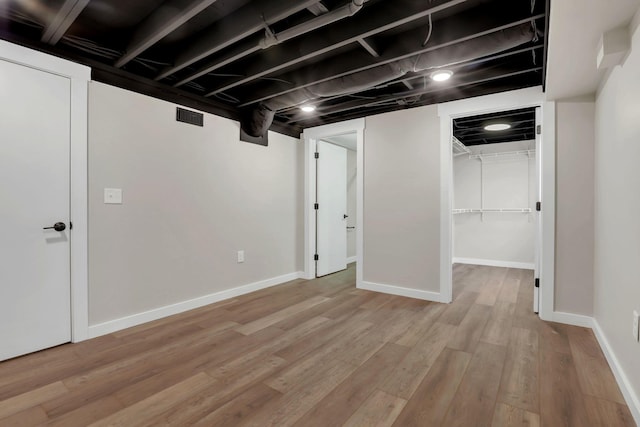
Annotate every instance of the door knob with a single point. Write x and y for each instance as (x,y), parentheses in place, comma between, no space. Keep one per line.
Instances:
(58,226)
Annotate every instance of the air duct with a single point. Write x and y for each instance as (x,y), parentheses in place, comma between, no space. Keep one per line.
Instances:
(478,47)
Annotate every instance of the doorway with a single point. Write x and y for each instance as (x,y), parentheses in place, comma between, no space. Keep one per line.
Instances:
(348,135)
(52,270)
(495,190)
(335,202)
(545,154)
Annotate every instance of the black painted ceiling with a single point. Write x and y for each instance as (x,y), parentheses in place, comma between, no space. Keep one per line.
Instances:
(470,130)
(206,54)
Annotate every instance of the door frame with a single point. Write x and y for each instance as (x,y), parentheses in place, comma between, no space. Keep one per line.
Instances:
(530,97)
(79,76)
(309,138)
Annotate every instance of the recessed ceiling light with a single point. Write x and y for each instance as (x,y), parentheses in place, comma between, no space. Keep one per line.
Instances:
(497,127)
(308,108)
(441,75)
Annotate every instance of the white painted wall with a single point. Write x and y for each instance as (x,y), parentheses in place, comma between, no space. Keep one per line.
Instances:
(351,202)
(617,203)
(402,199)
(495,238)
(574,206)
(193,196)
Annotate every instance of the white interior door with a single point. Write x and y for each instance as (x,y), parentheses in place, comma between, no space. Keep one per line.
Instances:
(35,309)
(331,217)
(538,215)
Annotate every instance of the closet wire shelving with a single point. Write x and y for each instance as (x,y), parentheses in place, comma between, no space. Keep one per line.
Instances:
(460,149)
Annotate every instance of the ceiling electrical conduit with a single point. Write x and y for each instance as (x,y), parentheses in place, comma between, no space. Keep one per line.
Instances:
(270,39)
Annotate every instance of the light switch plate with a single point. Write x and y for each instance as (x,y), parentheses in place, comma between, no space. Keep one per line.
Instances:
(636,319)
(113,196)
(240,256)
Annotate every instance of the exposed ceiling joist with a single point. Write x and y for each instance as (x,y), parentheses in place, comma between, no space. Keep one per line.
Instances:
(61,22)
(262,59)
(369,46)
(472,78)
(380,17)
(423,78)
(353,62)
(318,9)
(266,42)
(249,19)
(162,22)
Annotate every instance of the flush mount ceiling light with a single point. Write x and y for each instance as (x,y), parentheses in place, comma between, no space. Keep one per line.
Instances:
(494,127)
(308,108)
(441,75)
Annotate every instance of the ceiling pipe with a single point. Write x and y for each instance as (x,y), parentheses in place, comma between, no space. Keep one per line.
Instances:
(320,21)
(488,44)
(270,39)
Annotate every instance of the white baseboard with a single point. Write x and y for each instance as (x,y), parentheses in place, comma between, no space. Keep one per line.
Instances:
(352,259)
(494,263)
(632,399)
(403,292)
(169,310)
(573,319)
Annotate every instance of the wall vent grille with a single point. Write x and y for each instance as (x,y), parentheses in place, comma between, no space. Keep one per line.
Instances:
(188,116)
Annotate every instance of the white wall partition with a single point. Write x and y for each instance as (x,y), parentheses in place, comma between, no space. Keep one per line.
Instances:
(192,198)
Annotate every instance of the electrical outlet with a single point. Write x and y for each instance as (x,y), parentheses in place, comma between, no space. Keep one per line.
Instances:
(635,326)
(240,256)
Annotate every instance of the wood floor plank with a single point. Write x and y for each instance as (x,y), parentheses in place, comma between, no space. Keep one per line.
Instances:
(30,417)
(506,415)
(380,409)
(454,313)
(594,374)
(139,413)
(295,403)
(408,374)
(85,414)
(222,391)
(421,323)
(430,402)
(604,413)
(509,291)
(492,287)
(520,385)
(321,352)
(31,398)
(318,361)
(278,316)
(241,408)
(338,406)
(561,402)
(468,333)
(498,328)
(474,402)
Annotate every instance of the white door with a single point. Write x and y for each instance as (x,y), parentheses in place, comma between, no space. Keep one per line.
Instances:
(331,215)
(538,215)
(35,309)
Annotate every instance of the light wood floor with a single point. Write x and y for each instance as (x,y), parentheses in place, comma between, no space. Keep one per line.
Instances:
(322,353)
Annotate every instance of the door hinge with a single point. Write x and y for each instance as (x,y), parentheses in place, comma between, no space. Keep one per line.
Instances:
(315,206)
(537,283)
(538,129)
(70,225)
(538,206)
(317,155)
(315,257)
